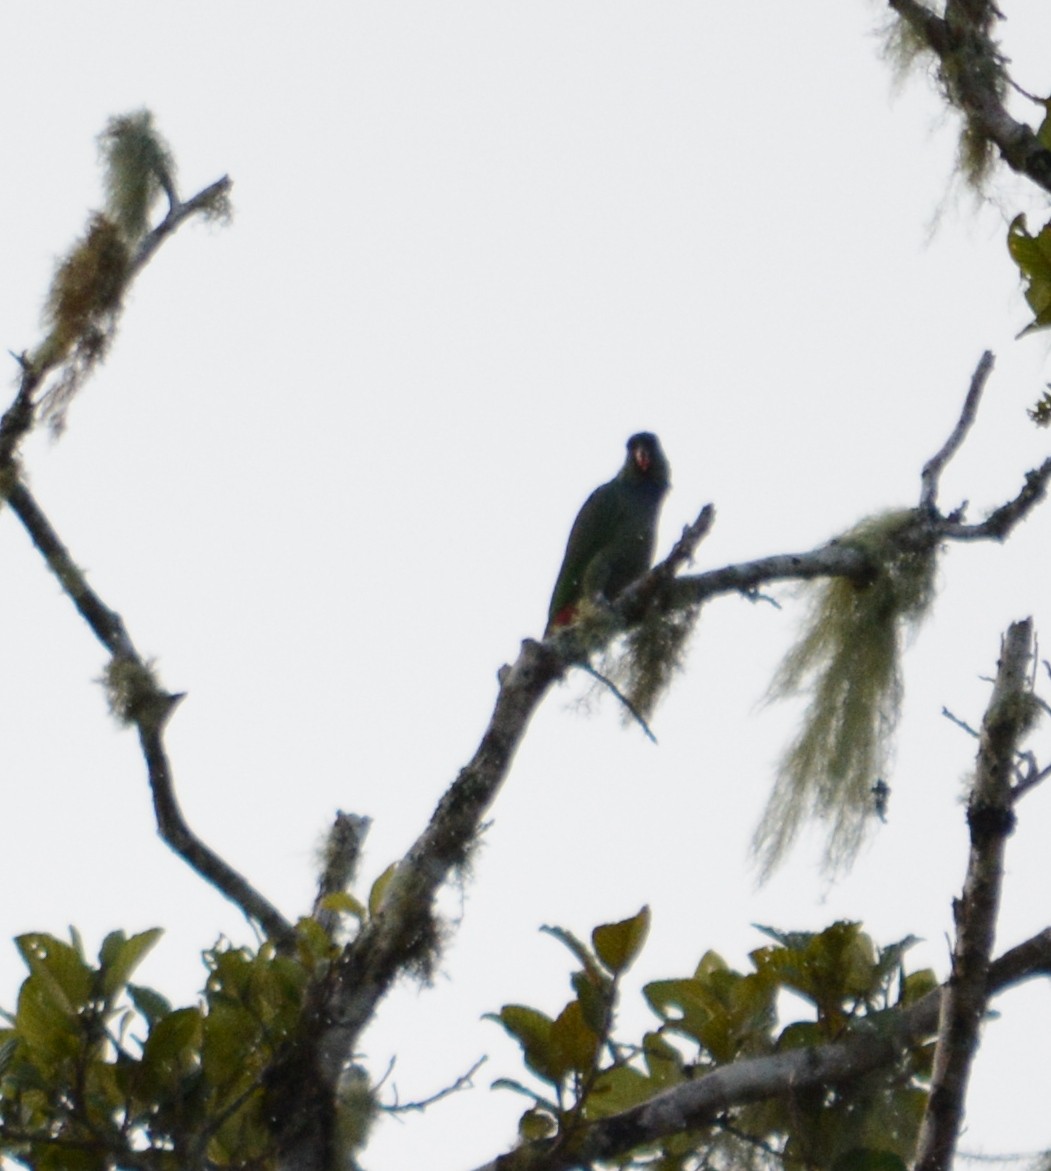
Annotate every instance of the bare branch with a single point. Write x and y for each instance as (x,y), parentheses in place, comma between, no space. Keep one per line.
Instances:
(1000,522)
(933,468)
(18,418)
(149,714)
(991,819)
(212,200)
(830,560)
(463,1082)
(960,723)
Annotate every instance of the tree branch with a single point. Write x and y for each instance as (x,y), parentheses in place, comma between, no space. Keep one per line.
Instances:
(696,1104)
(18,419)
(403,935)
(972,73)
(934,467)
(991,819)
(212,200)
(148,711)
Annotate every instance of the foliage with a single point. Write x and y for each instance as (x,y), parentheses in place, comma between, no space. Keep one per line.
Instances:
(848,658)
(98,1070)
(1032,254)
(710,1019)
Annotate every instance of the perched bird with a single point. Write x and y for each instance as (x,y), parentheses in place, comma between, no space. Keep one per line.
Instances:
(612,540)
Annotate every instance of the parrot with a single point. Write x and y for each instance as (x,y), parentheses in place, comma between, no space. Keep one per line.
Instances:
(612,540)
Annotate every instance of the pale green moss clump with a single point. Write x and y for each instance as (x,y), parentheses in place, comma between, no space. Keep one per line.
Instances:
(654,651)
(848,660)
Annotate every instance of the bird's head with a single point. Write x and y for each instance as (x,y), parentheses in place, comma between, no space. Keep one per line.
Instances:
(646,460)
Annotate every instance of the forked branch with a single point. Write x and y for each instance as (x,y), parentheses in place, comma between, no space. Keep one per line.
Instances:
(991,818)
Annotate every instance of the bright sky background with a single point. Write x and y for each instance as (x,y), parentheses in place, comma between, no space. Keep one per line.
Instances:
(327,474)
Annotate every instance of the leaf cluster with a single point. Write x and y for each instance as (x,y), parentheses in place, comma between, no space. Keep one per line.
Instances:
(710,1019)
(584,1074)
(1032,255)
(98,1071)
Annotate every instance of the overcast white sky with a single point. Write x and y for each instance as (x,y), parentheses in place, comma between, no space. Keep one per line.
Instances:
(328,472)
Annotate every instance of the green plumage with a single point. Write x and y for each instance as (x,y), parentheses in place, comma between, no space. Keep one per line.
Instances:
(612,540)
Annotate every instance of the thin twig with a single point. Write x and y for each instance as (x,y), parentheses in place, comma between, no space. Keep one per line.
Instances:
(933,468)
(463,1082)
(960,723)
(150,717)
(632,709)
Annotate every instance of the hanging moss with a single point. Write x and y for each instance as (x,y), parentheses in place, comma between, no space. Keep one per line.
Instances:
(848,660)
(969,67)
(651,654)
(138,167)
(81,313)
(131,689)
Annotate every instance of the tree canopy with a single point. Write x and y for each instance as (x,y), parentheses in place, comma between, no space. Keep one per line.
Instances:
(828,1046)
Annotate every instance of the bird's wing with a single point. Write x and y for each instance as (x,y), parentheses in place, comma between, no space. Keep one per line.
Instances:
(590,533)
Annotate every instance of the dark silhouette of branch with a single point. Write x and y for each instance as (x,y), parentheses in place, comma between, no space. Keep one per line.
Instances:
(149,713)
(934,467)
(464,1082)
(991,818)
(974,79)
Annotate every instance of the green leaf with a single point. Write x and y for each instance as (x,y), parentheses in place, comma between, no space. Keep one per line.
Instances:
(119,957)
(573,1042)
(532,1030)
(568,939)
(1032,255)
(60,966)
(618,1089)
(46,1023)
(618,944)
(229,1049)
(663,1061)
(710,962)
(172,1049)
(313,942)
(917,985)
(379,888)
(150,1003)
(535,1125)
(593,991)
(344,903)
